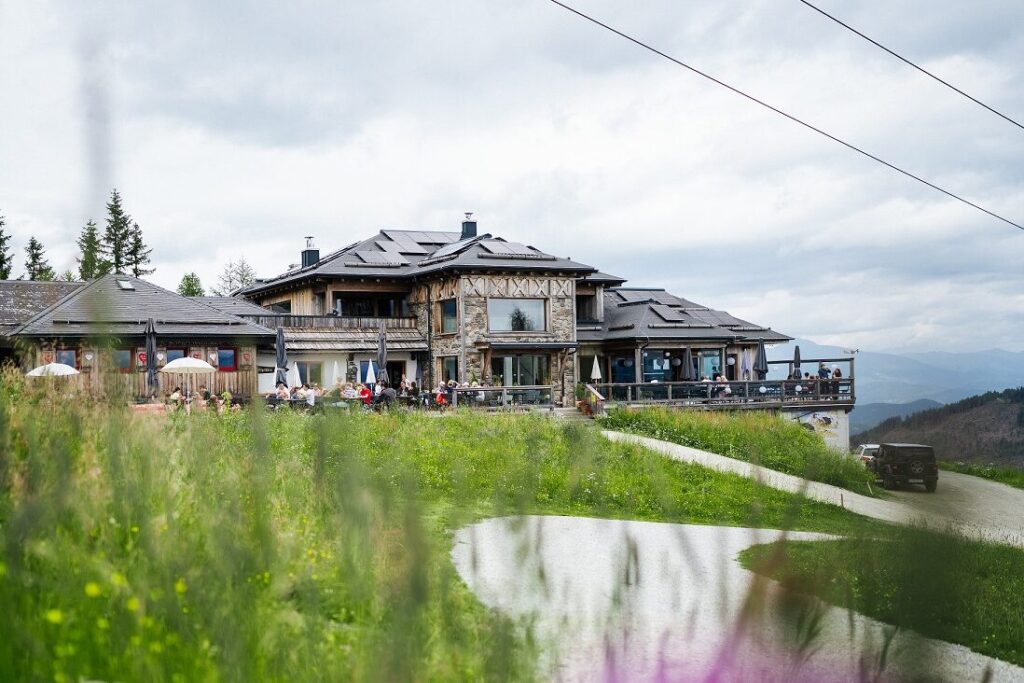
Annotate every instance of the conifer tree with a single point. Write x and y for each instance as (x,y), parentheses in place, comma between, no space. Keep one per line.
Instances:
(68,276)
(190,285)
(91,263)
(138,253)
(36,265)
(117,236)
(6,257)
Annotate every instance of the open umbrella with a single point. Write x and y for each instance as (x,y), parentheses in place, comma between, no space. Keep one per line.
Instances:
(761,361)
(595,373)
(188,366)
(52,370)
(281,374)
(689,375)
(382,351)
(151,382)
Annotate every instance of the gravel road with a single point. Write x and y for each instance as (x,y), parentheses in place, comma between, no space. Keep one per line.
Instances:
(975,507)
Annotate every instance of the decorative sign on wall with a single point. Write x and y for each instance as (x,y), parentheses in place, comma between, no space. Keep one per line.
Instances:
(198,355)
(213,358)
(47,357)
(246,356)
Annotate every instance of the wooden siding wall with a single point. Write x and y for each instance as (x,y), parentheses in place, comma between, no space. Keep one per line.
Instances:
(99,374)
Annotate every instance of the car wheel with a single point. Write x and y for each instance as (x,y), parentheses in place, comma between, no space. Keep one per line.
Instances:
(930,486)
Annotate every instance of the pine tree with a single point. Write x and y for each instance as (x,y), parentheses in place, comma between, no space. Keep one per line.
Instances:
(36,265)
(117,236)
(190,285)
(235,274)
(68,276)
(91,263)
(138,253)
(6,257)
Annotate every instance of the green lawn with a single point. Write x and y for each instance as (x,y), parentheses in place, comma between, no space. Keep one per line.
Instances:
(288,547)
(1012,476)
(959,591)
(753,436)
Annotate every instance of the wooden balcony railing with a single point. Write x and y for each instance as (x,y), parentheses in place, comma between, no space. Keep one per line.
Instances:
(340,322)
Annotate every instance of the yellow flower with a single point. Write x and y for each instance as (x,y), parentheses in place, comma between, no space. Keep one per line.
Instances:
(92,589)
(54,616)
(118,579)
(180,586)
(133,604)
(102,624)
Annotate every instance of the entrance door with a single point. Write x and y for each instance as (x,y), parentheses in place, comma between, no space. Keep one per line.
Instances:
(395,368)
(520,370)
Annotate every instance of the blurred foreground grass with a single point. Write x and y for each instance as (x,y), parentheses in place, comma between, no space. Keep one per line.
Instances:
(284,546)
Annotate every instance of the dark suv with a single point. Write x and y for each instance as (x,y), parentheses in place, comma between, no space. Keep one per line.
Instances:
(896,464)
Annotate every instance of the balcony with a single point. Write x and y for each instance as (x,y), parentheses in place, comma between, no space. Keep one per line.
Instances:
(332,322)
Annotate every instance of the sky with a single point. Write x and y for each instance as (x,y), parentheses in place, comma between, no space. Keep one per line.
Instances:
(235,129)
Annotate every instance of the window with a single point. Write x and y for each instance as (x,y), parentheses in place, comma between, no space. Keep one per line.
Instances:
(67,357)
(175,354)
(310,373)
(281,306)
(657,365)
(227,360)
(449,368)
(364,370)
(449,316)
(586,308)
(123,359)
(519,370)
(515,315)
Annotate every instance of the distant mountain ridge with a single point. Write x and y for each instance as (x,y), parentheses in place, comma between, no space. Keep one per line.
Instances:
(867,415)
(982,429)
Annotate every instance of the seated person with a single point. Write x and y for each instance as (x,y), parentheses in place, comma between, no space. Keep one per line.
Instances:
(386,397)
(365,394)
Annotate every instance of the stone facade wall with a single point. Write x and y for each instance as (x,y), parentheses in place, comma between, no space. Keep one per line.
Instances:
(472,336)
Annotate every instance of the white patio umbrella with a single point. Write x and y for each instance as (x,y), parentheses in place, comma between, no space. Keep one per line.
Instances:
(595,373)
(294,379)
(188,367)
(52,370)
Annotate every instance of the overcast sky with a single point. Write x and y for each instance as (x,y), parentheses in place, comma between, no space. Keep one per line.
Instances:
(233,129)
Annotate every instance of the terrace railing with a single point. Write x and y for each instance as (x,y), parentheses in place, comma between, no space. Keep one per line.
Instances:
(732,395)
(341,322)
(508,398)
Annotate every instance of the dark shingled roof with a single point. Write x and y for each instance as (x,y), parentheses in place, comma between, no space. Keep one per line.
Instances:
(601,278)
(120,305)
(22,299)
(234,305)
(403,254)
(637,313)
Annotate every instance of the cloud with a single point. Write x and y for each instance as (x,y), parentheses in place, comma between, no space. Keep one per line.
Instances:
(235,129)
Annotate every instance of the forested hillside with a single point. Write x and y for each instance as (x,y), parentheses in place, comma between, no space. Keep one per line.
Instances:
(982,429)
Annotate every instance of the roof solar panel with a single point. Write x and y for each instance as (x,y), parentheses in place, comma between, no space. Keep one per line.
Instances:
(407,245)
(449,249)
(496,247)
(382,258)
(670,315)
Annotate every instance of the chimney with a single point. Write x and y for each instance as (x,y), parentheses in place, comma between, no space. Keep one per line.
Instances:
(468,226)
(310,255)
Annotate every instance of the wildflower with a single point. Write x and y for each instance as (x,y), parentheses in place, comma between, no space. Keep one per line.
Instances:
(54,616)
(102,624)
(118,579)
(180,586)
(133,604)
(92,589)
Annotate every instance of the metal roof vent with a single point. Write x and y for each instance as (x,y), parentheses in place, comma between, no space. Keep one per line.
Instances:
(126,285)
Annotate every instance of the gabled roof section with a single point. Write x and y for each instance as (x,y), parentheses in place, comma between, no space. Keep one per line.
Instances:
(120,305)
(234,305)
(653,314)
(408,254)
(20,300)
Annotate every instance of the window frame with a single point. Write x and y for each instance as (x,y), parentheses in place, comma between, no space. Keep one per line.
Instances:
(131,360)
(540,330)
(234,355)
(304,366)
(67,349)
(442,361)
(441,316)
(167,353)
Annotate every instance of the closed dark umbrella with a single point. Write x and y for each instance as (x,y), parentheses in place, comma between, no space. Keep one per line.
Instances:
(761,361)
(382,352)
(689,374)
(281,374)
(151,380)
(796,361)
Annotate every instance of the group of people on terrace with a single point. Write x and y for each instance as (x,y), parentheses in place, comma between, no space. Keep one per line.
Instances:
(203,399)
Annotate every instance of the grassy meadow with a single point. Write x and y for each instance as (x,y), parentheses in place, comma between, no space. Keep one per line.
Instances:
(752,436)
(1011,476)
(285,546)
(960,591)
